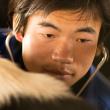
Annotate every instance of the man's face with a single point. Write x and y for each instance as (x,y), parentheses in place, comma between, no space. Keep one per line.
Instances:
(60,44)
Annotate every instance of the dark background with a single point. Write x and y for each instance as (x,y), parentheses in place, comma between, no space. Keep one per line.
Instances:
(4,13)
(106,68)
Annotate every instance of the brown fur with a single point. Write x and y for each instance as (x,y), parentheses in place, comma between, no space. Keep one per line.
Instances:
(21,90)
(14,81)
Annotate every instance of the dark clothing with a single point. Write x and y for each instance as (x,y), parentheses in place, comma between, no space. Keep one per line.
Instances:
(96,93)
(16,48)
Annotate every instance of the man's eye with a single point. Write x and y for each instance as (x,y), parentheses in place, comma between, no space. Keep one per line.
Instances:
(49,35)
(83,40)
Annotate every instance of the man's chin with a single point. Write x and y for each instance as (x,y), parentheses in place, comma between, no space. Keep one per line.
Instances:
(68,79)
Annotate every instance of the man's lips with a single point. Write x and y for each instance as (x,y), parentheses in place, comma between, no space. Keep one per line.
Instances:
(64,73)
(61,72)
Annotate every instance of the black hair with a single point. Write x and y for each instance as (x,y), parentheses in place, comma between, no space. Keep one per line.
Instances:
(22,9)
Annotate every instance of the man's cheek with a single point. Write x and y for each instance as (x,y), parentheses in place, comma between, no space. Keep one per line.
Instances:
(84,64)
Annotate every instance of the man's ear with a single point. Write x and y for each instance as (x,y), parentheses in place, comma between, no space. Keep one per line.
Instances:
(19,36)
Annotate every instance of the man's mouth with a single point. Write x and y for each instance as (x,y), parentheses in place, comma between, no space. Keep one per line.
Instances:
(60,74)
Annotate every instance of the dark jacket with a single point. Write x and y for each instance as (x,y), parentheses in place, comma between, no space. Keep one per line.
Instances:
(98,92)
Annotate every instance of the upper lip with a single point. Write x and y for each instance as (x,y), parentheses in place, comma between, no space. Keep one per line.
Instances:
(65,71)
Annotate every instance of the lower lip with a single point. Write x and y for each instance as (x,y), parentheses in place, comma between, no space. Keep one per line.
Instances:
(61,76)
(64,77)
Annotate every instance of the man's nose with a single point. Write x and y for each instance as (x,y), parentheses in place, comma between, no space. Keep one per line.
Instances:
(63,53)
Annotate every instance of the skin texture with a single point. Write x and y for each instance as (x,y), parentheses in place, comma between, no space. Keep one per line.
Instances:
(61,44)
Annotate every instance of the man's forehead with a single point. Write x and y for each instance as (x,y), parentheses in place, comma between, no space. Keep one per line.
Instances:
(65,17)
(73,15)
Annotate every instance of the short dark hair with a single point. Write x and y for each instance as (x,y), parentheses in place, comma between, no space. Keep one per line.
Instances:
(93,8)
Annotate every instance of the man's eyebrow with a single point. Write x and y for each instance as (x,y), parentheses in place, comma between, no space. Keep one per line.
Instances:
(87,30)
(48,24)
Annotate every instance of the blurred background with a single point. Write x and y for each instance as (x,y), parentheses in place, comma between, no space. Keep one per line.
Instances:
(106,68)
(4,13)
(4,24)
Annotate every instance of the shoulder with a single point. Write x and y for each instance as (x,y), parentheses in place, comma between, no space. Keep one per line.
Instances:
(3,50)
(98,92)
(13,44)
